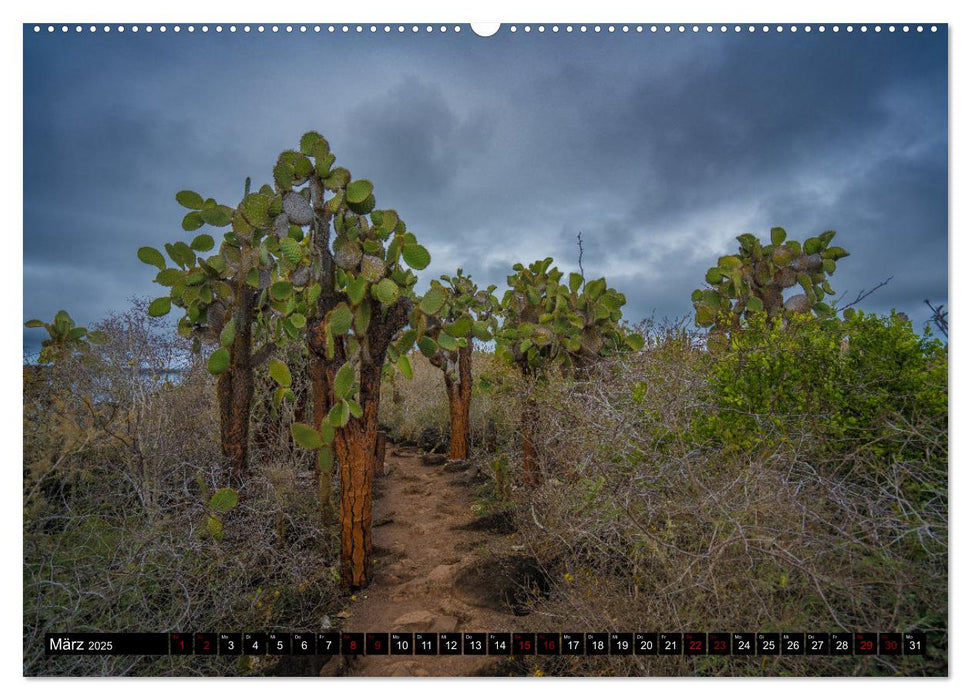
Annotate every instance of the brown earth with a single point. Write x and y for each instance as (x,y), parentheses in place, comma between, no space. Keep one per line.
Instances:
(438,568)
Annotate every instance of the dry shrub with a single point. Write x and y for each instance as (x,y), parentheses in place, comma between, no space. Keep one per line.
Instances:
(409,406)
(643,530)
(119,464)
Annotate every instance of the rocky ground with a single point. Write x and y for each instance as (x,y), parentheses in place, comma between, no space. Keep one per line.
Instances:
(438,568)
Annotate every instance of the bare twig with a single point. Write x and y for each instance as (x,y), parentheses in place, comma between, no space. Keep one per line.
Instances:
(939,318)
(580,246)
(863,294)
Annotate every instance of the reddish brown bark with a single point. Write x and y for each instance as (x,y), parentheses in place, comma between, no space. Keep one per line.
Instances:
(532,476)
(355,451)
(379,452)
(355,444)
(234,390)
(459,403)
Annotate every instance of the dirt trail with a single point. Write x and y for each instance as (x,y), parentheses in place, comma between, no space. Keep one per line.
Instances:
(427,563)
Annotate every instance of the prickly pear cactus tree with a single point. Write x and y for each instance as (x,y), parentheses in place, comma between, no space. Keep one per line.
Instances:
(228,297)
(754,280)
(548,324)
(456,311)
(359,261)
(63,337)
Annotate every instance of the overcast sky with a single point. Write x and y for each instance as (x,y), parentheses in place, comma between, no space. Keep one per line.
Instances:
(659,148)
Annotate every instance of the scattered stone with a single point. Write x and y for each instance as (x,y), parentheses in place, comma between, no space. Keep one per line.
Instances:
(432,460)
(505,584)
(332,666)
(432,440)
(303,666)
(456,465)
(502,522)
(425,621)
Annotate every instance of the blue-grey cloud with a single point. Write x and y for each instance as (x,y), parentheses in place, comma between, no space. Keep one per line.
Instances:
(661,149)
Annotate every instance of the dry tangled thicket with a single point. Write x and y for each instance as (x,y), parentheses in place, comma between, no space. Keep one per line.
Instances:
(410,406)
(119,463)
(643,527)
(640,525)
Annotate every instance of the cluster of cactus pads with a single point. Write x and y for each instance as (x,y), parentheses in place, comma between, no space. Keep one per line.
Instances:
(755,278)
(63,337)
(269,250)
(548,323)
(455,311)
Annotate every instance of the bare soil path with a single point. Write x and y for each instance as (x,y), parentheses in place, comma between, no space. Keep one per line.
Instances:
(434,569)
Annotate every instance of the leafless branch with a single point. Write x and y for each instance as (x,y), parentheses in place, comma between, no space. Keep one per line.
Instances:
(862,295)
(939,318)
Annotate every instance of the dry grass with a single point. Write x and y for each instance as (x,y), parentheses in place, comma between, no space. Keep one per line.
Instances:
(645,531)
(410,406)
(118,468)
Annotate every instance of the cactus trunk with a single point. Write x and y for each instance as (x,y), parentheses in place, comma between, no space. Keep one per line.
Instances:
(380,449)
(235,392)
(356,452)
(531,473)
(321,373)
(459,404)
(321,369)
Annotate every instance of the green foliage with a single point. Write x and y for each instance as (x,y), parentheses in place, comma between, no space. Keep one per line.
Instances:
(344,381)
(754,279)
(189,199)
(63,337)
(451,313)
(218,361)
(220,503)
(151,256)
(223,501)
(160,306)
(306,436)
(547,323)
(850,380)
(416,256)
(359,190)
(280,373)
(259,250)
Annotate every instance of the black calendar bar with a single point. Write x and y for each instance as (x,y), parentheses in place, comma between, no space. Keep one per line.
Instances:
(493,643)
(97,643)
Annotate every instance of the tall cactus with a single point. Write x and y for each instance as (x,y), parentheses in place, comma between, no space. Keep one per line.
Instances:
(364,298)
(754,279)
(225,298)
(548,324)
(457,311)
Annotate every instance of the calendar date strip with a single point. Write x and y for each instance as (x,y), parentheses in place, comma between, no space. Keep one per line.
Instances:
(491,643)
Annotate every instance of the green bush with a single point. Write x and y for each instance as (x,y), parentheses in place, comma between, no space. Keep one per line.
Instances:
(849,383)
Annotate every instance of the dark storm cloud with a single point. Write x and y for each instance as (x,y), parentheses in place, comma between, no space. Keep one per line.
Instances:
(661,149)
